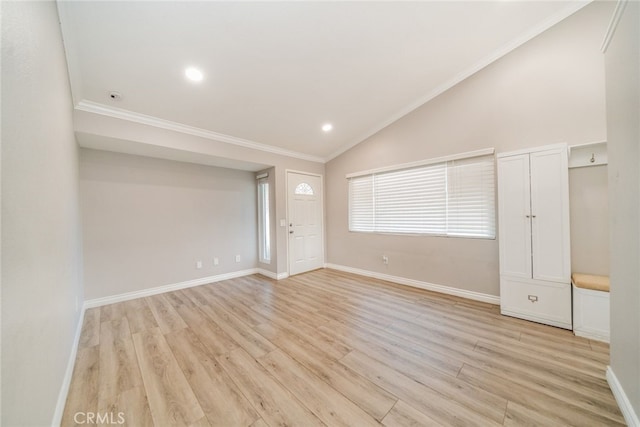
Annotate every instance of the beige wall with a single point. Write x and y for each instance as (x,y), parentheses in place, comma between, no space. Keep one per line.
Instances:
(623,135)
(147,221)
(589,205)
(40,216)
(549,90)
(146,140)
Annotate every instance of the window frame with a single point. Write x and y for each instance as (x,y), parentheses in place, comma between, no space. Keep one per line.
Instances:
(483,158)
(264,221)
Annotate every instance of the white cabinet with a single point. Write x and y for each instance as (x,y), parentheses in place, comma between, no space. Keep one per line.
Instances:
(535,258)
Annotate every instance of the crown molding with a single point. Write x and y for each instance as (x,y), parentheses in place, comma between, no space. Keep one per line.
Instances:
(70,50)
(613,24)
(143,119)
(572,8)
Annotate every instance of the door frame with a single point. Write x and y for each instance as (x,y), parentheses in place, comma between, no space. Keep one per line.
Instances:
(286,199)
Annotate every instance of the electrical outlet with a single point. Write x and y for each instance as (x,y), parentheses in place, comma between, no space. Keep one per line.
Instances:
(385,259)
(198,264)
(216,261)
(237,258)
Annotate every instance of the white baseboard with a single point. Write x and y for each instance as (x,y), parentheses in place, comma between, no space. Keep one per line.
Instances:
(272,275)
(477,296)
(66,380)
(626,408)
(97,302)
(591,334)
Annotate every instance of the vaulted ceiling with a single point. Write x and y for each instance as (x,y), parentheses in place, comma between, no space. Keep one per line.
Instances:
(275,72)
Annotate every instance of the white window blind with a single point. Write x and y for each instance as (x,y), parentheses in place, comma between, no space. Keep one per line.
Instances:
(361,212)
(471,197)
(454,198)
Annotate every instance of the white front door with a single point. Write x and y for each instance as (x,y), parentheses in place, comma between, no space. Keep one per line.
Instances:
(304,199)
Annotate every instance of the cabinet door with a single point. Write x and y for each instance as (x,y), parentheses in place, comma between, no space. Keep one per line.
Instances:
(550,216)
(514,207)
(536,300)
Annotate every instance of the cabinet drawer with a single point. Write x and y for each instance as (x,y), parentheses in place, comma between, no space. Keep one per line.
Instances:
(543,302)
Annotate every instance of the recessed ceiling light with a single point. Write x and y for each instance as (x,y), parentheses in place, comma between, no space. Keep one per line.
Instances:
(193,74)
(327,127)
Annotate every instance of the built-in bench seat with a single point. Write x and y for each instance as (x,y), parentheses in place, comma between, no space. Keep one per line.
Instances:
(591,306)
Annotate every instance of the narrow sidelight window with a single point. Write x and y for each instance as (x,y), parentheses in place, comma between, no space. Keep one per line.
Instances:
(264,231)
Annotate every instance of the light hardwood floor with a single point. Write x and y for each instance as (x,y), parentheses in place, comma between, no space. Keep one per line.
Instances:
(330,348)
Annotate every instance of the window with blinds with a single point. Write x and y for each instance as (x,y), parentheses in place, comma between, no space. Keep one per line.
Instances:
(447,198)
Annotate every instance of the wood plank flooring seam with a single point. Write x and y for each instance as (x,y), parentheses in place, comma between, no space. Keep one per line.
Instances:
(332,348)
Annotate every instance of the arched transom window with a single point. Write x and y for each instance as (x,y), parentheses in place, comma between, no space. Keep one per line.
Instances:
(304,188)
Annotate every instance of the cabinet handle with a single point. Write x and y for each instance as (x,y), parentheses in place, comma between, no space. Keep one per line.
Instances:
(533,298)
(528,216)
